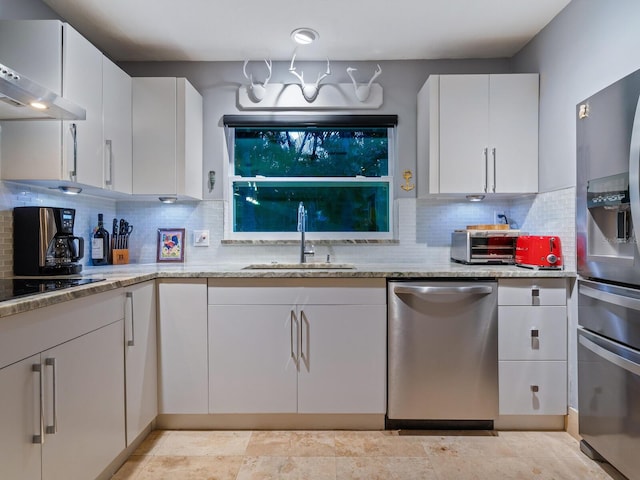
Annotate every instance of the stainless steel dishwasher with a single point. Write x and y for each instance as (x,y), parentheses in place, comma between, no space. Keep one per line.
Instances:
(442,354)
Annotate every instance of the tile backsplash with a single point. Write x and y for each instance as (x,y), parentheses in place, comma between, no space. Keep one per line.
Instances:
(424,227)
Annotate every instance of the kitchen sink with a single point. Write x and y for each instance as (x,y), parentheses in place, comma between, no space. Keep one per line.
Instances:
(303,266)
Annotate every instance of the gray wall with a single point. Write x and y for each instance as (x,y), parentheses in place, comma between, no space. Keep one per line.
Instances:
(589,45)
(218,83)
(26,10)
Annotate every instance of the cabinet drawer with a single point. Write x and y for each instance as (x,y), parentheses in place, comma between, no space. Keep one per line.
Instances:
(289,291)
(518,382)
(532,291)
(532,333)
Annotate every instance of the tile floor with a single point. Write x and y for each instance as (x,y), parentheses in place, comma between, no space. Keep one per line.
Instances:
(341,455)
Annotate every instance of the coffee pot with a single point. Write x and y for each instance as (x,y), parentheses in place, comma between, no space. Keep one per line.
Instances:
(44,243)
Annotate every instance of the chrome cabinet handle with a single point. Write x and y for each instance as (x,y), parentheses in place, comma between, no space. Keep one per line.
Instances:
(493,151)
(132,342)
(304,339)
(486,170)
(39,438)
(109,146)
(535,333)
(52,429)
(74,135)
(414,290)
(535,388)
(294,355)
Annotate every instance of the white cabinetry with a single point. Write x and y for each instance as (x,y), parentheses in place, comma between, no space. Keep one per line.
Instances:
(167,138)
(182,356)
(532,346)
(283,346)
(478,134)
(140,358)
(117,130)
(95,152)
(62,380)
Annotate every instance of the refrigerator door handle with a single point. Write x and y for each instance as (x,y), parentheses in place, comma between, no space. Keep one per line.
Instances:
(470,290)
(634,172)
(611,357)
(608,297)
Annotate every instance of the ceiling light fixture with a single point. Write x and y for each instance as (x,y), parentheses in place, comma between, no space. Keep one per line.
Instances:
(475,198)
(304,35)
(168,199)
(69,190)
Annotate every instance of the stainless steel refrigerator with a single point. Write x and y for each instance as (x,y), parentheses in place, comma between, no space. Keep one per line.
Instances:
(608,254)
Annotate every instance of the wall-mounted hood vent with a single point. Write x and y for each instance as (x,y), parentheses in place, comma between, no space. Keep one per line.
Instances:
(23,99)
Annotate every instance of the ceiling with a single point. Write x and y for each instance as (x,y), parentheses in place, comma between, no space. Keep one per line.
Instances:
(218,30)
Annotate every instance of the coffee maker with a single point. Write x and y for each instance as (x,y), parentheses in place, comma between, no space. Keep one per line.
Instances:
(44,243)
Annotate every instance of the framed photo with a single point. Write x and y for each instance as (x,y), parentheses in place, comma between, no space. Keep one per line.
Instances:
(171,245)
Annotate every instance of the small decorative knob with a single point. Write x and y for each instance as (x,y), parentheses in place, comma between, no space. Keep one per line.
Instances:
(534,388)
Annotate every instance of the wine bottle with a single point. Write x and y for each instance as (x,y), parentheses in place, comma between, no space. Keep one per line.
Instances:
(100,244)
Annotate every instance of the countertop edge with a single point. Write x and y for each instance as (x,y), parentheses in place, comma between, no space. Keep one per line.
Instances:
(119,278)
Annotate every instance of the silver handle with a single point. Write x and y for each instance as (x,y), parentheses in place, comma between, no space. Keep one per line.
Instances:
(535,388)
(304,338)
(74,135)
(535,333)
(132,342)
(471,290)
(535,292)
(486,170)
(608,297)
(36,367)
(52,429)
(634,169)
(109,147)
(294,355)
(611,357)
(493,187)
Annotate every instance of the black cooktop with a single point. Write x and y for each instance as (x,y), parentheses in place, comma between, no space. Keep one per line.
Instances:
(16,288)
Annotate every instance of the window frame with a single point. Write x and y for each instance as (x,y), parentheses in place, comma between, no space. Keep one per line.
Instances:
(303,121)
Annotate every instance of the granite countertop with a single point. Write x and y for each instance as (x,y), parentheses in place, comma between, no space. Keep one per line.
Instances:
(117,276)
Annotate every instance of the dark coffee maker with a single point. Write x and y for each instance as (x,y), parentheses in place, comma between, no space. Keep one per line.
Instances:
(43,241)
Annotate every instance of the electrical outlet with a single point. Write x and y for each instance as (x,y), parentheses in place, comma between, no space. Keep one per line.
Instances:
(201,238)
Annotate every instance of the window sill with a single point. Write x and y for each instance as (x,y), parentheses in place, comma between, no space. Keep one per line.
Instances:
(315,242)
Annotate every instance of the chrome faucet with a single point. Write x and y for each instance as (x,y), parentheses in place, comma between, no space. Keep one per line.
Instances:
(302,228)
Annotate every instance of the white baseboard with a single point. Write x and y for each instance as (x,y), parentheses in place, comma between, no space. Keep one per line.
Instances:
(571,425)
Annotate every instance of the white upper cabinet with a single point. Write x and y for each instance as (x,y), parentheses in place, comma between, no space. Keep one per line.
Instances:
(478,134)
(95,152)
(167,138)
(118,145)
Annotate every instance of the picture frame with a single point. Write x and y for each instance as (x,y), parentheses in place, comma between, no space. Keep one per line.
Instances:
(171,245)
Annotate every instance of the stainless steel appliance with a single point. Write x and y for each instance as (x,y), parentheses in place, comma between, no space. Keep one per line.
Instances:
(484,246)
(442,354)
(44,243)
(608,254)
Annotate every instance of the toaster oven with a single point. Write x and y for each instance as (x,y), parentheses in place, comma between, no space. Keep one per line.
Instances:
(484,246)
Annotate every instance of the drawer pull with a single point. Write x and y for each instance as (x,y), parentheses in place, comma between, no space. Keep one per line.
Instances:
(535,333)
(535,292)
(534,388)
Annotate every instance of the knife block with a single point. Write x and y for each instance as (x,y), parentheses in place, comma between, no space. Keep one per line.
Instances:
(120,256)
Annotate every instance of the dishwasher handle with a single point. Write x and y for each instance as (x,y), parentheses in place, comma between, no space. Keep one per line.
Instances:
(430,290)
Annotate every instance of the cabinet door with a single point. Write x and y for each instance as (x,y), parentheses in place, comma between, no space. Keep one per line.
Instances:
(82,73)
(20,420)
(513,133)
(183,366)
(154,136)
(87,383)
(342,359)
(464,133)
(252,358)
(189,171)
(140,358)
(116,92)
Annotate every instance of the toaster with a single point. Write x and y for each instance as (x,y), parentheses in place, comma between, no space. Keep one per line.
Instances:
(539,252)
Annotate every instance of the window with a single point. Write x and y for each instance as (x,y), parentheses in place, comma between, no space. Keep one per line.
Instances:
(338,166)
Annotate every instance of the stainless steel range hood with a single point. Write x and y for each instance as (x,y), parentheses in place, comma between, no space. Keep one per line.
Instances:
(23,99)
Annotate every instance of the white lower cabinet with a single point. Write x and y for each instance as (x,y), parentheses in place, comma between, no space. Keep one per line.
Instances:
(140,358)
(532,346)
(65,420)
(182,357)
(283,346)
